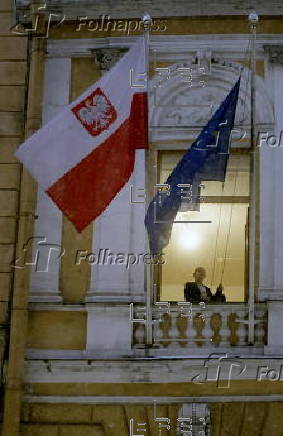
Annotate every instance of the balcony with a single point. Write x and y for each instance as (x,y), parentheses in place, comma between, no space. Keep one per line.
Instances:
(118,330)
(213,328)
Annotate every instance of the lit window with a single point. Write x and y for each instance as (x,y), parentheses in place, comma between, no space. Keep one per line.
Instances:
(219,246)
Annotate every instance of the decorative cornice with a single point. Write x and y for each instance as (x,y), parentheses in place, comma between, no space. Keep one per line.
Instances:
(196,370)
(145,354)
(168,47)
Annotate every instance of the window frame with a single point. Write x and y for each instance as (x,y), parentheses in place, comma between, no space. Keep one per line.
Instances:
(153,175)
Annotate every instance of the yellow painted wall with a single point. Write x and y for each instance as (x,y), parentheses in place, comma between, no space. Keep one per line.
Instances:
(228,419)
(57,330)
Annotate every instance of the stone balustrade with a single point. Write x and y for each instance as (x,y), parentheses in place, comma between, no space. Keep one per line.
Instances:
(211,326)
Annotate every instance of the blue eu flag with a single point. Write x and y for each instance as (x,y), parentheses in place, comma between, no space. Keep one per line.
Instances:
(205,160)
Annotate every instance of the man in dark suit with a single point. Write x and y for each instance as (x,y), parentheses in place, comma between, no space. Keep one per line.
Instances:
(196,291)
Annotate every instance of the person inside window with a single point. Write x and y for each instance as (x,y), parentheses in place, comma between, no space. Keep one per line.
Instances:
(196,291)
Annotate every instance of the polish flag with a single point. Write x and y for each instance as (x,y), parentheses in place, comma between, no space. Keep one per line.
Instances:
(85,155)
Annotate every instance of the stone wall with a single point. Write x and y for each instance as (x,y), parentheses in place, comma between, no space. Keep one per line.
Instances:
(13,74)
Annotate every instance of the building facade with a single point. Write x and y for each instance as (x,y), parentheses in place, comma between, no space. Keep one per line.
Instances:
(94,341)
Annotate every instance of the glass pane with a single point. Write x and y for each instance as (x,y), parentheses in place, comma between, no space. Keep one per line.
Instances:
(220,245)
(236,181)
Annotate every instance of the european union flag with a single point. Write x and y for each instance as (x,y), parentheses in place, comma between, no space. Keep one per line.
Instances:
(205,160)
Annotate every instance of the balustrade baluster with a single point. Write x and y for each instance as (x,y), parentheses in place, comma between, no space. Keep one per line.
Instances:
(181,324)
(216,324)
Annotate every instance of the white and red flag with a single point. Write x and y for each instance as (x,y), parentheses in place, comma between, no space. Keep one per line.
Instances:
(85,155)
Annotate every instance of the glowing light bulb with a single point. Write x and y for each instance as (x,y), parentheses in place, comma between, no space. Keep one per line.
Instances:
(188,238)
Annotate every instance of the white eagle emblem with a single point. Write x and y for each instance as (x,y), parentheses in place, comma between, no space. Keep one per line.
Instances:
(95,112)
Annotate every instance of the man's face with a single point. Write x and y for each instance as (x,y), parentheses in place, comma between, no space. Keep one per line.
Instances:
(199,275)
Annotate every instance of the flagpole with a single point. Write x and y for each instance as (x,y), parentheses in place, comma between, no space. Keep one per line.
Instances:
(148,270)
(253,19)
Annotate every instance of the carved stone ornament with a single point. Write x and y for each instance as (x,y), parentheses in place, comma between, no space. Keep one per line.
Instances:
(107,57)
(275,53)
